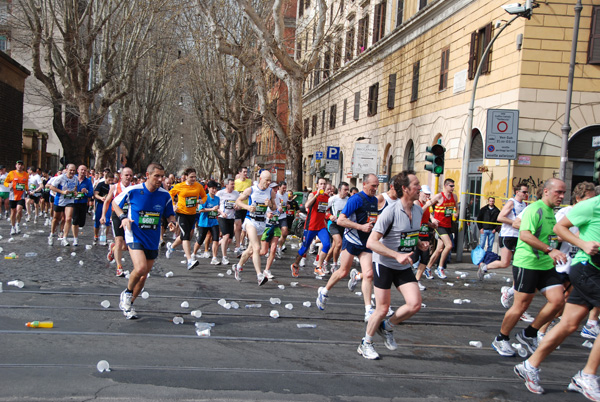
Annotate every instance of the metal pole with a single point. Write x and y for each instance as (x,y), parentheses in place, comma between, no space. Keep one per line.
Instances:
(508,181)
(566,127)
(467,152)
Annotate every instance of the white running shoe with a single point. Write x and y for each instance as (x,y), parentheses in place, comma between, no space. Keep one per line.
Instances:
(268,274)
(421,286)
(366,350)
(587,385)
(64,242)
(131,314)
(224,261)
(390,312)
(236,272)
(531,376)
(125,301)
(506,298)
(262,279)
(302,262)
(278,253)
(526,317)
(441,273)
(503,348)
(191,264)
(169,250)
(50,240)
(13,231)
(388,337)
(75,241)
(321,298)
(369,313)
(206,254)
(215,261)
(353,279)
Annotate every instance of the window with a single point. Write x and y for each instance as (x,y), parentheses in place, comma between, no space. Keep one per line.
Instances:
(299,51)
(356,105)
(391,100)
(337,56)
(349,44)
(410,156)
(332,116)
(415,82)
(594,44)
(479,41)
(444,68)
(317,73)
(344,111)
(422,4)
(306,123)
(399,12)
(314,126)
(300,8)
(379,22)
(373,99)
(306,4)
(326,64)
(323,122)
(3,43)
(363,34)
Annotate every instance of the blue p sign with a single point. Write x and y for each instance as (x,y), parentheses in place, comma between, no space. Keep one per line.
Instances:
(333,153)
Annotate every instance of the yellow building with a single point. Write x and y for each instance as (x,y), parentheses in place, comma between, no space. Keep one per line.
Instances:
(399,75)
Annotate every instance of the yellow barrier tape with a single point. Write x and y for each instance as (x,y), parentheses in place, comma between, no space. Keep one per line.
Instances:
(489,223)
(504,198)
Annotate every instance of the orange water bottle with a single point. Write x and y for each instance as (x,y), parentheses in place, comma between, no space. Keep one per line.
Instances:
(40,324)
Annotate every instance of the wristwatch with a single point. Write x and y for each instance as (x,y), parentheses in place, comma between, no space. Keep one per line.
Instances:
(549,250)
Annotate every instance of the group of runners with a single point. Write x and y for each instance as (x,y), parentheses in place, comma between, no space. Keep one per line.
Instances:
(389,234)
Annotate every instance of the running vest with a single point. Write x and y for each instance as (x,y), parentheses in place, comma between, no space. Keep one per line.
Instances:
(425,229)
(507,230)
(366,213)
(315,219)
(443,212)
(118,190)
(388,202)
(259,198)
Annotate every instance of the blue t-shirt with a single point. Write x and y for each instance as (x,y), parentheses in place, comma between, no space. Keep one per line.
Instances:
(209,219)
(146,210)
(358,212)
(82,198)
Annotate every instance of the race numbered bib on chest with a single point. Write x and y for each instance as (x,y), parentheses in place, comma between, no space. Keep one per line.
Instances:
(20,187)
(448,211)
(424,231)
(32,187)
(229,204)
(573,250)
(149,220)
(553,241)
(408,241)
(191,202)
(322,207)
(261,211)
(125,208)
(79,196)
(213,214)
(274,220)
(372,217)
(290,212)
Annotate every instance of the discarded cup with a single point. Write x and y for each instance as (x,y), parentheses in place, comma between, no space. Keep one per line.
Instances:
(449,283)
(73,254)
(145,295)
(58,259)
(466,301)
(88,246)
(458,301)
(255,305)
(203,329)
(222,302)
(306,325)
(274,314)
(234,305)
(520,349)
(105,304)
(289,306)
(423,305)
(0,287)
(227,306)
(306,304)
(220,275)
(103,366)
(275,300)
(16,283)
(196,313)
(11,240)
(30,254)
(169,274)
(587,344)
(185,304)
(177,320)
(228,272)
(293,284)
(466,284)
(358,293)
(25,236)
(281,287)
(476,344)
(81,263)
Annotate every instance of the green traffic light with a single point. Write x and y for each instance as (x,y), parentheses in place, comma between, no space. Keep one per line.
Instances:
(438,170)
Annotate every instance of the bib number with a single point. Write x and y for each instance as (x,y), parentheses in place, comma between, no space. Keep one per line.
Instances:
(20,187)
(229,204)
(190,202)
(125,208)
(553,241)
(372,217)
(213,214)
(149,220)
(448,211)
(261,211)
(322,207)
(424,231)
(79,196)
(408,242)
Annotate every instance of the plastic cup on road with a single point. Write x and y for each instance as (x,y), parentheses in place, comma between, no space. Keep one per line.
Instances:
(145,295)
(289,306)
(73,254)
(103,366)
(274,314)
(222,302)
(234,305)
(105,304)
(177,320)
(196,313)
(306,304)
(476,344)
(185,304)
(275,300)
(458,301)
(293,284)
(169,274)
(281,287)
(81,263)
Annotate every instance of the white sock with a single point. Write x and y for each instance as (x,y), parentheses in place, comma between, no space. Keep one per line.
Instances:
(325,291)
(368,338)
(592,323)
(367,307)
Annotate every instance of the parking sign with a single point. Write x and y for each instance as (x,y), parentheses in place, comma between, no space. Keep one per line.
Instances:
(333,153)
(318,155)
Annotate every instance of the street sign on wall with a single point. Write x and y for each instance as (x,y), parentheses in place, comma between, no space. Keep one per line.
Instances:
(502,134)
(365,158)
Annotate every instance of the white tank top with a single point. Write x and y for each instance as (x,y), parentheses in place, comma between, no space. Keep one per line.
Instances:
(258,198)
(507,230)
(388,202)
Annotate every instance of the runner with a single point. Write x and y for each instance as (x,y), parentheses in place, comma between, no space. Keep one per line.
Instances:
(65,187)
(358,217)
(585,278)
(270,237)
(444,209)
(259,197)
(85,191)
(242,182)
(316,207)
(335,206)
(427,228)
(148,202)
(282,202)
(4,193)
(34,194)
(100,193)
(533,268)
(292,210)
(16,181)
(189,194)
(46,204)
(227,208)
(208,223)
(394,240)
(115,251)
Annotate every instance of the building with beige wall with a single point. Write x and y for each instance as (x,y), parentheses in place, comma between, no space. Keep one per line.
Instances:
(410,84)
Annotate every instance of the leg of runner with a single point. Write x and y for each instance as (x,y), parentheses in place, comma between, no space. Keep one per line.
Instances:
(137,279)
(255,246)
(366,266)
(68,224)
(323,235)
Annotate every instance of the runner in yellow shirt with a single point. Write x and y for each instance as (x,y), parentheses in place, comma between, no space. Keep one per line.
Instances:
(16,181)
(189,194)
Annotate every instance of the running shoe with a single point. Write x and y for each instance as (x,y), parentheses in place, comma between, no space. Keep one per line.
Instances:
(224,261)
(321,298)
(238,252)
(110,256)
(440,272)
(283,248)
(13,231)
(526,317)
(369,313)
(206,254)
(319,272)
(64,242)
(268,274)
(590,332)
(215,261)
(28,218)
(388,337)
(481,271)
(530,343)
(120,272)
(261,279)
(191,264)
(428,273)
(303,261)
(324,268)
(503,348)
(75,241)
(50,240)
(131,314)
(353,279)
(312,249)
(531,376)
(17,228)
(278,253)
(125,301)
(506,298)
(366,350)
(295,270)
(236,272)
(421,286)
(390,312)
(587,385)
(170,250)
(95,242)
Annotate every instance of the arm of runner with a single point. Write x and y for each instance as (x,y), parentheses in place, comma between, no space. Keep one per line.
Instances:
(107,201)
(310,201)
(343,221)
(534,242)
(376,246)
(243,197)
(503,215)
(203,196)
(562,230)
(125,221)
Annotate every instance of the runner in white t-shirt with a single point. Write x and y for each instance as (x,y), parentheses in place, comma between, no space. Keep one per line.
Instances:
(227,208)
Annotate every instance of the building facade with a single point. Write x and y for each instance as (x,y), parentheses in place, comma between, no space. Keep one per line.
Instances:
(399,75)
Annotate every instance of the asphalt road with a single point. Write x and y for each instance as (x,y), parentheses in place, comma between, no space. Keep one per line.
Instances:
(249,355)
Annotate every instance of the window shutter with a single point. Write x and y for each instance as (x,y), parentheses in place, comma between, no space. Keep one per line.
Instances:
(356,105)
(344,111)
(473,56)
(415,82)
(488,38)
(399,12)
(391,100)
(376,22)
(594,43)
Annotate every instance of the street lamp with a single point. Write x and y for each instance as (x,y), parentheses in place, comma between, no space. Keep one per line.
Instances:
(517,10)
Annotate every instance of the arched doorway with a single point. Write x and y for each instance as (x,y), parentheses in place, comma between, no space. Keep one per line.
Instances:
(474,178)
(409,156)
(581,156)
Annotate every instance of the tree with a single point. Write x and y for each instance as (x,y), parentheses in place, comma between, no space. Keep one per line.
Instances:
(271,53)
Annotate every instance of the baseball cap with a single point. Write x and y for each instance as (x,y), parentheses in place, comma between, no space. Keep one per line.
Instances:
(425,188)
(19,162)
(274,184)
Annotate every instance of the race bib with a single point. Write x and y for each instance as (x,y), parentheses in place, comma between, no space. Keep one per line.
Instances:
(213,214)
(32,187)
(322,207)
(448,211)
(283,209)
(274,220)
(408,241)
(573,251)
(553,241)
(69,194)
(191,202)
(20,187)
(149,220)
(79,196)
(424,231)
(229,204)
(261,211)
(372,217)
(125,208)
(290,212)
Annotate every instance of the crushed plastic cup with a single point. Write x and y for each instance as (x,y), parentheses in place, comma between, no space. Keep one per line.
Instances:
(184,261)
(203,328)
(58,259)
(73,254)
(274,314)
(289,306)
(122,259)
(145,295)
(587,344)
(177,320)
(127,273)
(11,240)
(0,287)
(105,304)
(458,301)
(476,344)
(16,283)
(467,301)
(358,293)
(228,272)
(169,274)
(220,275)
(88,246)
(234,305)
(281,287)
(1,250)
(255,305)
(306,325)
(466,284)
(508,280)
(463,276)
(81,263)
(423,305)
(196,313)
(487,276)
(306,304)
(520,349)
(275,300)
(450,283)
(103,366)
(222,302)
(185,304)
(227,306)
(293,284)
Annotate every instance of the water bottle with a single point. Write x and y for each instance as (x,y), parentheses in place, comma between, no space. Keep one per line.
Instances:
(30,254)
(40,324)
(103,235)
(253,305)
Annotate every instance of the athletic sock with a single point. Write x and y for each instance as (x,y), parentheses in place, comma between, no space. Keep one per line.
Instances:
(502,337)
(530,332)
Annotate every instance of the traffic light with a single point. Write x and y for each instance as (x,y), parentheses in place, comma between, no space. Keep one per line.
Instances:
(597,166)
(436,158)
